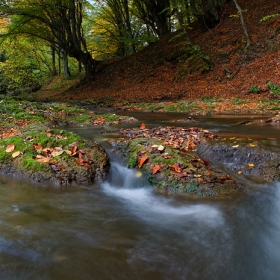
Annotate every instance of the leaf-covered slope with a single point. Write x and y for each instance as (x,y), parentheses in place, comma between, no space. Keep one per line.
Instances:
(165,71)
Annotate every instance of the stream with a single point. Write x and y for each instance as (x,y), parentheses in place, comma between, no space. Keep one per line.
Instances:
(120,229)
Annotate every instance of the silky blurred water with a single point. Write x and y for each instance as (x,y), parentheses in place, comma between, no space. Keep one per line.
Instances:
(121,229)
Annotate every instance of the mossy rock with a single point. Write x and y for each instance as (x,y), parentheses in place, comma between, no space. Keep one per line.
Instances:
(173,171)
(34,156)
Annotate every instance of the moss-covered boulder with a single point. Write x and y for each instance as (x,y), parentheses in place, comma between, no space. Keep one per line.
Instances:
(173,168)
(52,156)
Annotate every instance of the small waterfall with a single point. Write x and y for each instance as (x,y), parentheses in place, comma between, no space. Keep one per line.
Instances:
(131,187)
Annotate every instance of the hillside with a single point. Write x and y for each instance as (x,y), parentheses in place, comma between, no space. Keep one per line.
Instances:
(163,72)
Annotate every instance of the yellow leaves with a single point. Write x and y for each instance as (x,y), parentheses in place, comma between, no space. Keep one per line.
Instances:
(159,147)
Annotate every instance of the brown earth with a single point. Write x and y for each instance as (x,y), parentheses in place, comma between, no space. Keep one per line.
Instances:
(162,71)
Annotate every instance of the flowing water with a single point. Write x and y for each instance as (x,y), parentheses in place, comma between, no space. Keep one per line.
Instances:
(121,229)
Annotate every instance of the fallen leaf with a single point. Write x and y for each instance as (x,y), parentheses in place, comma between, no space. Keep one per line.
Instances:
(141,161)
(15,154)
(239,172)
(252,145)
(57,153)
(176,167)
(155,169)
(37,146)
(251,164)
(183,174)
(10,148)
(40,158)
(69,153)
(142,126)
(235,146)
(199,180)
(160,148)
(48,134)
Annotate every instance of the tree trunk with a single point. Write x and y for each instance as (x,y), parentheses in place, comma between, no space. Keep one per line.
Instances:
(54,72)
(248,39)
(65,65)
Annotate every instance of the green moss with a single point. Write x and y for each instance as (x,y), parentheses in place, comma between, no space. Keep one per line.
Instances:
(132,161)
(192,187)
(83,118)
(34,166)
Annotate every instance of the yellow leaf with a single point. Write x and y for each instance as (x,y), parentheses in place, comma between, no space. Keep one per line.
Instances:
(240,172)
(232,138)
(160,148)
(236,146)
(57,153)
(15,154)
(252,145)
(251,164)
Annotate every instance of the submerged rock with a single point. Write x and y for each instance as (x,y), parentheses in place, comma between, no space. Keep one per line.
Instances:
(258,160)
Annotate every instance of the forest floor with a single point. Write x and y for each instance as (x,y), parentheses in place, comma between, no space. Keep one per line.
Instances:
(164,76)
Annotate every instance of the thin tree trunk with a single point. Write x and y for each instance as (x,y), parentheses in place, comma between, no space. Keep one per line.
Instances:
(54,72)
(248,39)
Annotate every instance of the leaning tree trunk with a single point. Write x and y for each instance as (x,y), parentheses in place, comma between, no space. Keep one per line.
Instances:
(248,39)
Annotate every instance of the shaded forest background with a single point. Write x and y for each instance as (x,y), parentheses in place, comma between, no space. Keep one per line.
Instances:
(195,55)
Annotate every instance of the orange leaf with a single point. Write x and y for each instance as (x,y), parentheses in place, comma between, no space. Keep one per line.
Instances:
(10,148)
(142,126)
(175,167)
(37,146)
(49,134)
(42,159)
(74,150)
(199,180)
(141,161)
(155,169)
